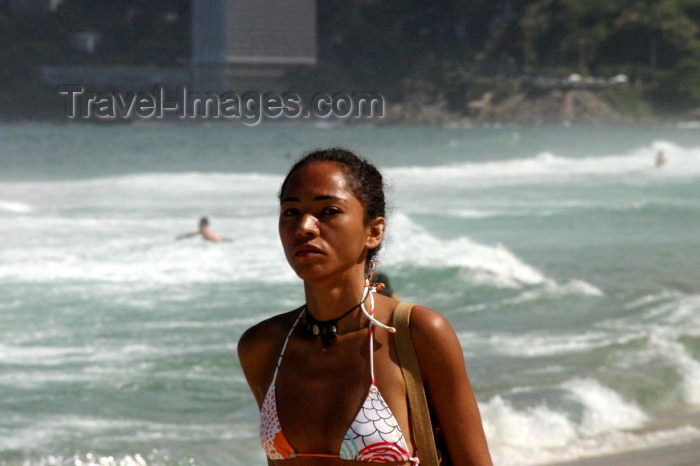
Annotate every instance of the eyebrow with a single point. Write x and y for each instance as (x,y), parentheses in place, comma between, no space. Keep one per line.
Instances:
(323,197)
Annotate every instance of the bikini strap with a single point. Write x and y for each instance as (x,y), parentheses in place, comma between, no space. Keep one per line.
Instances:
(371,335)
(284,347)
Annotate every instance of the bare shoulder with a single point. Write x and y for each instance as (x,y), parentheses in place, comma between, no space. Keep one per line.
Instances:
(435,341)
(259,346)
(428,325)
(264,335)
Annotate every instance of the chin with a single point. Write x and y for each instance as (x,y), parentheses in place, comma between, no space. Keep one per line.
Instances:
(309,274)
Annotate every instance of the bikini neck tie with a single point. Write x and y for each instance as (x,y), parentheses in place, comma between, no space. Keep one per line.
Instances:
(370,289)
(328,329)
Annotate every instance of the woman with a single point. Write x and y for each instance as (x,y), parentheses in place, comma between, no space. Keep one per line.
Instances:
(328,365)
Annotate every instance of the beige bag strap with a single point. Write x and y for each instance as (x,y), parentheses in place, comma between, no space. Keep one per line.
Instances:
(417,403)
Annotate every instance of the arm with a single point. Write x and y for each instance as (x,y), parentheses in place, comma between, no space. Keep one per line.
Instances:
(256,354)
(447,387)
(258,350)
(249,352)
(186,235)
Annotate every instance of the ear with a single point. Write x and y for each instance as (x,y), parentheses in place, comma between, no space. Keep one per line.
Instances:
(375,232)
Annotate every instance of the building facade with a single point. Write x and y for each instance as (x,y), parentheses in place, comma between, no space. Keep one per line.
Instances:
(244,45)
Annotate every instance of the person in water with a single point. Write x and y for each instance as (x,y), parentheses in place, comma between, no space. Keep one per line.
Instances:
(325,375)
(660,160)
(381,277)
(204,231)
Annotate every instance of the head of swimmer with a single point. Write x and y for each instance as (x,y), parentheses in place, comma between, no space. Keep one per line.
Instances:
(331,200)
(203,223)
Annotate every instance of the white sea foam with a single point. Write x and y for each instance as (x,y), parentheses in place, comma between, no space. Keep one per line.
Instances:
(539,434)
(687,366)
(669,312)
(103,251)
(246,456)
(605,410)
(551,289)
(409,243)
(683,313)
(122,230)
(56,356)
(112,257)
(15,207)
(538,425)
(544,208)
(669,318)
(191,324)
(587,447)
(43,432)
(636,166)
(541,344)
(648,299)
(41,355)
(180,184)
(90,234)
(474,213)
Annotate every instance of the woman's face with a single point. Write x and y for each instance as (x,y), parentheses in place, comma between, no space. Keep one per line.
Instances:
(321,224)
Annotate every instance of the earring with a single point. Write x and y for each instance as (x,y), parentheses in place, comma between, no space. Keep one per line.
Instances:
(370,272)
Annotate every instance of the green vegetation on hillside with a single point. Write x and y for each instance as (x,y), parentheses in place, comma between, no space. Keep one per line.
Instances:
(654,42)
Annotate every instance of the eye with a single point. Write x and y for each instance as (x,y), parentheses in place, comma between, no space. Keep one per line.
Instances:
(289,212)
(330,211)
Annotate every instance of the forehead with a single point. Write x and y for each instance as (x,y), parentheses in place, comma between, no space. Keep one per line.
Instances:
(318,179)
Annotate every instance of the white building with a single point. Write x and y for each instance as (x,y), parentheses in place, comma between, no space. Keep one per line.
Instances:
(243,45)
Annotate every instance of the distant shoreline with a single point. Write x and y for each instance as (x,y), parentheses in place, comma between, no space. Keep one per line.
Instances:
(553,108)
(685,454)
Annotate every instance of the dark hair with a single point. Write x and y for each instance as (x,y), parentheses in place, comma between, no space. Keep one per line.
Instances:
(381,277)
(363,178)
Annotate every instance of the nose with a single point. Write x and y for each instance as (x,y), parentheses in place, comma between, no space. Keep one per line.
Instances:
(308,226)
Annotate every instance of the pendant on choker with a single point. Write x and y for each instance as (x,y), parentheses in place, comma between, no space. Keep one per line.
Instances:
(326,329)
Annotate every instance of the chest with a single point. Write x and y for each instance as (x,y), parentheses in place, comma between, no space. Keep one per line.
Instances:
(322,383)
(320,390)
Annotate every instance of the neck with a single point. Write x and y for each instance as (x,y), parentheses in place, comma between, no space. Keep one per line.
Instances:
(326,301)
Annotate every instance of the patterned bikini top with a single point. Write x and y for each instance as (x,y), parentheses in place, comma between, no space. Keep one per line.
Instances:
(374,435)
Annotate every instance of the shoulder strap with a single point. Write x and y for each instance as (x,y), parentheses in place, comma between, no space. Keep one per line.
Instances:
(417,403)
(284,346)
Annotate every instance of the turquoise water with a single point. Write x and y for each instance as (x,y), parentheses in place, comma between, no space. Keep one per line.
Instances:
(567,263)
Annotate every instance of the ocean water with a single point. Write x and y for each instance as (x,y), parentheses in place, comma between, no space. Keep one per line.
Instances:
(567,263)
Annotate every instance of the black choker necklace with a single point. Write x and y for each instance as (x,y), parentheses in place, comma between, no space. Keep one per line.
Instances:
(326,329)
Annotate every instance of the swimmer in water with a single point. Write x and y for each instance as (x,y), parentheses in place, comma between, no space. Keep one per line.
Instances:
(204,231)
(381,277)
(660,159)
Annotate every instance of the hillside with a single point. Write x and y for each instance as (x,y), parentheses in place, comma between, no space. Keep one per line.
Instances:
(441,54)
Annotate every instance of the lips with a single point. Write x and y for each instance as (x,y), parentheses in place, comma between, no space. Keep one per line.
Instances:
(307,250)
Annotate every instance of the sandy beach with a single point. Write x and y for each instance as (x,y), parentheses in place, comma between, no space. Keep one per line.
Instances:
(687,454)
